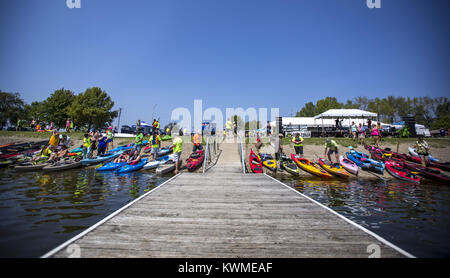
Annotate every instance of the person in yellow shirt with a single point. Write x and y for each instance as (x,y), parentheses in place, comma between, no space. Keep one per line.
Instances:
(86,146)
(54,140)
(177,149)
(155,140)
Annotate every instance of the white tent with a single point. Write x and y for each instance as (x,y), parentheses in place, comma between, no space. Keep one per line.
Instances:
(346,113)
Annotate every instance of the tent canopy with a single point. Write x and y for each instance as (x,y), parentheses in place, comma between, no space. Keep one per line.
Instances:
(346,113)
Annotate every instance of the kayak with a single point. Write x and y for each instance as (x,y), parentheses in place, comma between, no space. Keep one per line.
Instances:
(310,167)
(195,160)
(5,163)
(166,168)
(268,161)
(290,167)
(147,149)
(122,148)
(100,159)
(166,137)
(333,168)
(159,161)
(111,166)
(413,152)
(427,172)
(363,161)
(132,167)
(62,165)
(377,155)
(255,163)
(29,166)
(441,165)
(349,165)
(76,150)
(400,172)
(164,151)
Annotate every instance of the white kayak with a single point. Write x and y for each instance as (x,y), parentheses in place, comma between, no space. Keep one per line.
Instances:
(159,161)
(413,152)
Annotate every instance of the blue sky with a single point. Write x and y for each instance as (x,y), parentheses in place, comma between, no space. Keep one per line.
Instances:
(229,53)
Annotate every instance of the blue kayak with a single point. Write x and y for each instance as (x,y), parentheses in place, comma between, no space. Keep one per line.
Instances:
(100,158)
(121,148)
(111,166)
(131,168)
(363,161)
(164,151)
(76,150)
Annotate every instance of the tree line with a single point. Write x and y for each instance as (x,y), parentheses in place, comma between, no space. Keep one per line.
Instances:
(434,113)
(91,108)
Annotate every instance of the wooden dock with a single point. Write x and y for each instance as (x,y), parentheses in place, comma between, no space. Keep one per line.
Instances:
(225,213)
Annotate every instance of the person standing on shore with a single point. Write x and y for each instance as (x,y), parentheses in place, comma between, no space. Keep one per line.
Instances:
(298,144)
(375,135)
(331,147)
(155,140)
(353,130)
(268,129)
(177,149)
(68,124)
(361,134)
(110,139)
(421,147)
(138,140)
(54,139)
(33,124)
(86,152)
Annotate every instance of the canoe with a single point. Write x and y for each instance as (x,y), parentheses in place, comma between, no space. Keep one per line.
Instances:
(255,163)
(268,161)
(62,165)
(290,167)
(349,165)
(131,168)
(310,167)
(334,168)
(166,168)
(400,172)
(159,161)
(29,166)
(100,159)
(195,160)
(427,172)
(111,166)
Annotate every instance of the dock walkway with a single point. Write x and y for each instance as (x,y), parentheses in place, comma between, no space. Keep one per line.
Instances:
(225,213)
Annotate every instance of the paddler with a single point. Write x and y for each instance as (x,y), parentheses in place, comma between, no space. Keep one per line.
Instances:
(421,147)
(86,152)
(298,144)
(44,153)
(54,139)
(110,138)
(331,147)
(155,140)
(134,158)
(196,142)
(177,149)
(138,141)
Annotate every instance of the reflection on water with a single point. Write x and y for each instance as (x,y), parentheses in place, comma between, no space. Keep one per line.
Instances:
(39,210)
(414,217)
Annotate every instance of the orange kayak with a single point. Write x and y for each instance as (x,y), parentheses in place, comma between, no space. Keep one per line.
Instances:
(310,167)
(334,168)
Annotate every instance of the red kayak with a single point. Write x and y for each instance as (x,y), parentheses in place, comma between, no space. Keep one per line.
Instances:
(255,163)
(400,172)
(427,172)
(195,160)
(441,165)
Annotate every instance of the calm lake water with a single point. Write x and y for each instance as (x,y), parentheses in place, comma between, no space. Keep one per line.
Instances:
(39,211)
(414,217)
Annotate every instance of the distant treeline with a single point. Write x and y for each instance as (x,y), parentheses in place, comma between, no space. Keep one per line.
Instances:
(431,112)
(91,108)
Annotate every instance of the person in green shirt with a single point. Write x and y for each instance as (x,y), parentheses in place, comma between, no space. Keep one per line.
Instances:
(298,144)
(177,149)
(155,140)
(138,141)
(86,146)
(110,138)
(332,147)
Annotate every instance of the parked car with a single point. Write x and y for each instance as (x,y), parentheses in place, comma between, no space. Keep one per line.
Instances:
(126,129)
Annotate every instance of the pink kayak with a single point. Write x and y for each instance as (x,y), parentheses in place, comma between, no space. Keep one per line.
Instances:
(349,165)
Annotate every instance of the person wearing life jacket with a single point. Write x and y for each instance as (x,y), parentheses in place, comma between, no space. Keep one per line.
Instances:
(196,140)
(134,158)
(297,140)
(421,147)
(43,154)
(109,138)
(177,149)
(139,140)
(86,152)
(155,141)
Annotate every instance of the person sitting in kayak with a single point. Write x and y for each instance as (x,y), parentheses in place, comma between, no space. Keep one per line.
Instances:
(64,141)
(298,144)
(177,149)
(421,147)
(134,158)
(331,147)
(155,140)
(122,158)
(54,139)
(43,154)
(196,142)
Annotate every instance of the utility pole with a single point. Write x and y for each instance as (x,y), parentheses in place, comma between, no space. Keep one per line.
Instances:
(118,123)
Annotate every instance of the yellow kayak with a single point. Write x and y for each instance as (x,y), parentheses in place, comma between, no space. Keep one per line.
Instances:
(310,167)
(268,161)
(334,169)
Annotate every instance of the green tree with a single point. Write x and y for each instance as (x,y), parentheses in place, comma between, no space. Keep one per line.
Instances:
(309,110)
(11,108)
(57,106)
(327,103)
(92,108)
(35,110)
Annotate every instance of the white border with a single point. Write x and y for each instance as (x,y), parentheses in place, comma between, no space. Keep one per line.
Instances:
(68,242)
(379,238)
